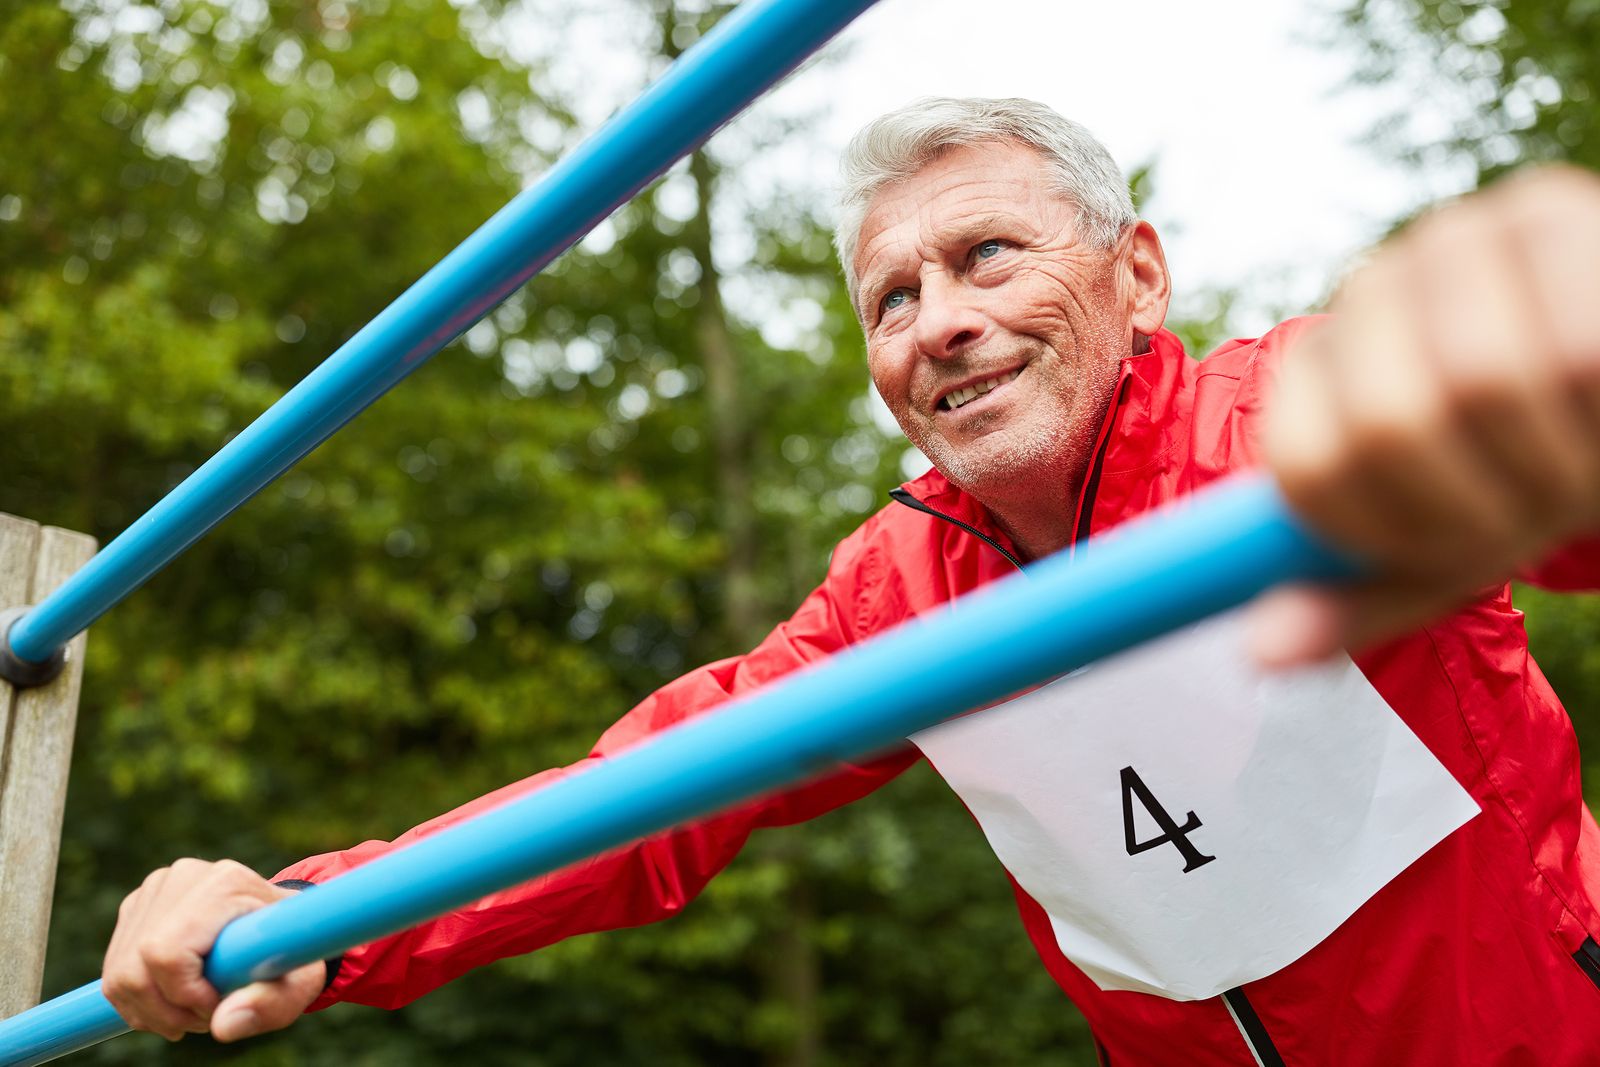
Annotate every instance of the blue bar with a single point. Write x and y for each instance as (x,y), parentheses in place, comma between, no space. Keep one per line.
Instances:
(1209,552)
(69,1023)
(753,47)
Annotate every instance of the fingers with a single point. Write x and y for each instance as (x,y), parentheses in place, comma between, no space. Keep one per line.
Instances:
(1299,625)
(1487,357)
(1362,439)
(1493,349)
(1555,249)
(1294,625)
(1445,424)
(126,979)
(154,966)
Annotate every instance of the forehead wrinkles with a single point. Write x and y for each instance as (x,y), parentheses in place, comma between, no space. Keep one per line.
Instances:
(976,196)
(923,210)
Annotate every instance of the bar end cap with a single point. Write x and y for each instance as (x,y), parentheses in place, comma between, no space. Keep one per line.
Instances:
(23,673)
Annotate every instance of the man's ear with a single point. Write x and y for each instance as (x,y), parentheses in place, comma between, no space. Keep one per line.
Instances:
(1143,265)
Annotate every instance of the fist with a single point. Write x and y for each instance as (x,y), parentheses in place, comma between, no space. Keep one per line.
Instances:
(1445,423)
(154,969)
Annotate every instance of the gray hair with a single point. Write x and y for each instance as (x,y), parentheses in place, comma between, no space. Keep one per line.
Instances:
(895,146)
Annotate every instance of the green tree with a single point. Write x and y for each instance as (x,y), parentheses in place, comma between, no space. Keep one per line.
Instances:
(1510,82)
(482,572)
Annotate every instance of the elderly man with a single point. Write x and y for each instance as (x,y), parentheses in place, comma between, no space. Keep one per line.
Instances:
(1445,423)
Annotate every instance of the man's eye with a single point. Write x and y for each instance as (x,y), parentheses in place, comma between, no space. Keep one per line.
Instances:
(988,249)
(895,298)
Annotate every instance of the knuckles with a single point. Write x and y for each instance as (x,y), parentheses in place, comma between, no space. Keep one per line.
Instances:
(233,871)
(126,985)
(190,868)
(1550,196)
(128,990)
(1384,430)
(159,954)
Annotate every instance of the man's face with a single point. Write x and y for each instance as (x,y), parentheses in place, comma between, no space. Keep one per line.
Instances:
(994,335)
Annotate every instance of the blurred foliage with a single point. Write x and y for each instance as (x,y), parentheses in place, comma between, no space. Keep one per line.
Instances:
(1498,84)
(197,203)
(1564,632)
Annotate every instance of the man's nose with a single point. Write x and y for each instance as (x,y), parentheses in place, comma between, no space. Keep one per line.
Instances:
(948,319)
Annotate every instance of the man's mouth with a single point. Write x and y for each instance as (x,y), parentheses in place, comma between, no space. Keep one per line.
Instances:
(957,398)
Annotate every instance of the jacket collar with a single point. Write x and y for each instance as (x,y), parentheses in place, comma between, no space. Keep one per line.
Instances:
(1148,401)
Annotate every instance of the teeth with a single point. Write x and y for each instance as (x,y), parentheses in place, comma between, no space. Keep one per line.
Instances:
(958,397)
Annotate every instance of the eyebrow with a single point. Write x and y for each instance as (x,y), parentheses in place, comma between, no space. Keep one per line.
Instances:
(971,230)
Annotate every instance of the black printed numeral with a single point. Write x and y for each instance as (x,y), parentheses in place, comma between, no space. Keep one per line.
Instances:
(1171,832)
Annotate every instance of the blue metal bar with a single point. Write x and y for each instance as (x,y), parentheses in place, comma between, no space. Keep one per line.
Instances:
(69,1023)
(1214,550)
(749,50)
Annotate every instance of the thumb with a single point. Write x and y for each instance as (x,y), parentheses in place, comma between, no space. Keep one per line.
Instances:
(261,1007)
(1298,625)
(1295,625)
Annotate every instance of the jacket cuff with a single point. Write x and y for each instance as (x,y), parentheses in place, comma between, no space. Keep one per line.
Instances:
(331,964)
(1572,568)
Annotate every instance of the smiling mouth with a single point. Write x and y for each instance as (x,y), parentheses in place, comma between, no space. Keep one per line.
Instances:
(958,398)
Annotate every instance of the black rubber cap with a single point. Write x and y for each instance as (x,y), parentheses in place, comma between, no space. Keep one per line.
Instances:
(24,673)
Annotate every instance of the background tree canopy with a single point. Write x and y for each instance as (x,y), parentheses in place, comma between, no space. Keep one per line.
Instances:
(636,465)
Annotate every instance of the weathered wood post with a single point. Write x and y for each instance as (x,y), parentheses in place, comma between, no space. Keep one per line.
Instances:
(35,750)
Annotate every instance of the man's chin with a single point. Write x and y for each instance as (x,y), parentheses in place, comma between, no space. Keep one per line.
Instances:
(993,467)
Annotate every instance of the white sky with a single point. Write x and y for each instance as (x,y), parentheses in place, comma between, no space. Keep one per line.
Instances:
(1261,177)
(1261,182)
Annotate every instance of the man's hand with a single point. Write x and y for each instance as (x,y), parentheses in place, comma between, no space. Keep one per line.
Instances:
(153,971)
(1446,423)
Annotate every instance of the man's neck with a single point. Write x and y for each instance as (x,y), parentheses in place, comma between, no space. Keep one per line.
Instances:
(1038,518)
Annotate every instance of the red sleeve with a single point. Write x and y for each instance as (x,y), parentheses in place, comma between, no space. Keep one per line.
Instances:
(633,885)
(1574,568)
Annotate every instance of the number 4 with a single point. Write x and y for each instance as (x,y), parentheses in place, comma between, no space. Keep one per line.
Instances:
(1171,831)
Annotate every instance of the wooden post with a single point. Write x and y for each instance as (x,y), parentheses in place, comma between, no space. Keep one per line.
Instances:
(35,751)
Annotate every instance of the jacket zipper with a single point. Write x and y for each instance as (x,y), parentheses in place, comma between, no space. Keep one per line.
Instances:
(1256,1038)
(1255,1035)
(1244,1016)
(1091,484)
(901,496)
(1587,957)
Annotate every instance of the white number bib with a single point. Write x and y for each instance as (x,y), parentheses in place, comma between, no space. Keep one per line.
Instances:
(1190,823)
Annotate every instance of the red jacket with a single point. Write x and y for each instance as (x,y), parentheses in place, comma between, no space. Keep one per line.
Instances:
(1480,953)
